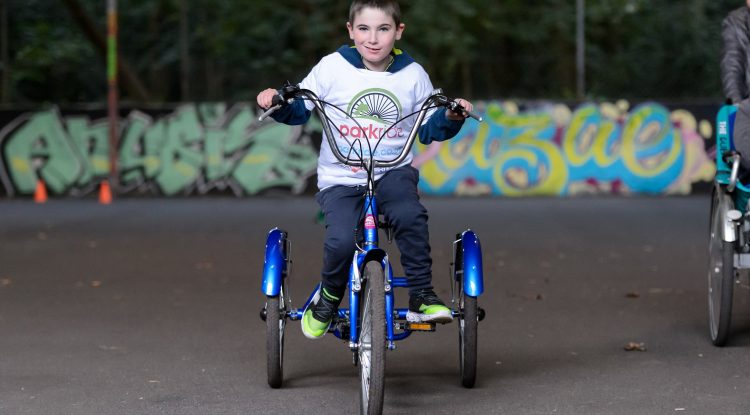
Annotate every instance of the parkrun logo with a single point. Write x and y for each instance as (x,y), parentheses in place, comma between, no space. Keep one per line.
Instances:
(374,106)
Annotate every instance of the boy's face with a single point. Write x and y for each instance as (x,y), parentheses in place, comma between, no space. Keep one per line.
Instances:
(374,33)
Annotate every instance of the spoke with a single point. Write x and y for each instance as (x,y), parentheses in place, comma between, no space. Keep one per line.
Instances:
(365,350)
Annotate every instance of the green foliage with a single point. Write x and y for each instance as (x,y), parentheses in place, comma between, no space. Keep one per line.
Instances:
(515,48)
(50,59)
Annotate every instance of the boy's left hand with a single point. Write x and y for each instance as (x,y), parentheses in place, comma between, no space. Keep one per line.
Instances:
(455,116)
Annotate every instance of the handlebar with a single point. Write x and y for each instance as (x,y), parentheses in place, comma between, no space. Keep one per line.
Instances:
(458,108)
(734,158)
(290,92)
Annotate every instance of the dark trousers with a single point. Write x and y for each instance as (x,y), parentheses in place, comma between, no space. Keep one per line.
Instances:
(397,199)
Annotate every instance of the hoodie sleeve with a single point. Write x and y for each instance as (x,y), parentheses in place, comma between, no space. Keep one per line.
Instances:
(293,114)
(734,55)
(438,128)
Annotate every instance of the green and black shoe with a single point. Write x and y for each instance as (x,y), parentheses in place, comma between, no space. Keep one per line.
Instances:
(319,313)
(426,307)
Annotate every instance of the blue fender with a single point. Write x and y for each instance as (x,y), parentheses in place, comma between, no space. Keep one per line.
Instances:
(472,261)
(274,266)
(375,254)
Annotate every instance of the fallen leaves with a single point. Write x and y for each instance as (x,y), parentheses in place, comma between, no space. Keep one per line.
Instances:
(92,284)
(635,347)
(529,297)
(204,265)
(111,348)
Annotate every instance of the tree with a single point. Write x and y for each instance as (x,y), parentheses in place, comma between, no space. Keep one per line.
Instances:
(228,50)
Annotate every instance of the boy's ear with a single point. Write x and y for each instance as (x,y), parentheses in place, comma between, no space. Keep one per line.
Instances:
(350,29)
(401,27)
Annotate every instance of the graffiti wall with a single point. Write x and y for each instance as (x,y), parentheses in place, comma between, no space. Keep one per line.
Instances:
(549,149)
(192,150)
(540,149)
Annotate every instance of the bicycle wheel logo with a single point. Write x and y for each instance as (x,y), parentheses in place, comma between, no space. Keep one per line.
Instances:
(376,105)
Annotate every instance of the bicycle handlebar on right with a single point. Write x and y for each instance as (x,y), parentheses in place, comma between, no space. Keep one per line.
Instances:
(732,157)
(436,99)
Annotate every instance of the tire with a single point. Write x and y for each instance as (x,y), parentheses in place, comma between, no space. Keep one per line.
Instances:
(372,340)
(468,324)
(720,273)
(274,341)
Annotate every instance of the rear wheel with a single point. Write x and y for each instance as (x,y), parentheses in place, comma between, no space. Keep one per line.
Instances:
(720,272)
(467,340)
(372,340)
(468,323)
(275,323)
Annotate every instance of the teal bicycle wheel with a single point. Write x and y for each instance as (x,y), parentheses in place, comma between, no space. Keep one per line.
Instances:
(720,271)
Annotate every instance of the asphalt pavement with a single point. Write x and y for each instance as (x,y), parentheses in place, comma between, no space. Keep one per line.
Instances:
(150,306)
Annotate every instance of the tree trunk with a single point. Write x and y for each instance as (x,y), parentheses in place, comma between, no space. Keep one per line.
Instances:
(131,83)
(184,52)
(5,83)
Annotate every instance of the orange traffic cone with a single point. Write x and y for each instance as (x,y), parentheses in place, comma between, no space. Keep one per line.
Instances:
(105,193)
(40,193)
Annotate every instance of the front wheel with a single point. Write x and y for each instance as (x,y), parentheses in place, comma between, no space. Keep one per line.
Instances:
(468,321)
(720,271)
(275,323)
(372,340)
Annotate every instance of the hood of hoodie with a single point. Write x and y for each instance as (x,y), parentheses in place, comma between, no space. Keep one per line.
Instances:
(401,59)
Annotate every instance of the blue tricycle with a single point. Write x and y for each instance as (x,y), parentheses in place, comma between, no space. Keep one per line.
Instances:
(371,324)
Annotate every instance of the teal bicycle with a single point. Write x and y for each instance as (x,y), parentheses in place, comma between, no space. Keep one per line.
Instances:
(729,232)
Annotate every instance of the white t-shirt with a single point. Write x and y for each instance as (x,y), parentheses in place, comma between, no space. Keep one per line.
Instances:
(375,100)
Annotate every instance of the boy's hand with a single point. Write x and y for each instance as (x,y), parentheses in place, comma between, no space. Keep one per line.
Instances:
(265,98)
(455,116)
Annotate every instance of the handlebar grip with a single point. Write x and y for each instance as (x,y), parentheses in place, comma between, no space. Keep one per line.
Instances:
(458,108)
(475,116)
(730,155)
(277,100)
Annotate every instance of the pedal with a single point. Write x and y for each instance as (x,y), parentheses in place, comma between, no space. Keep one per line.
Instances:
(340,325)
(420,326)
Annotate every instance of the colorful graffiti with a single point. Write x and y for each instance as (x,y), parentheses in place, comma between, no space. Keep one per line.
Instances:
(550,150)
(544,149)
(193,150)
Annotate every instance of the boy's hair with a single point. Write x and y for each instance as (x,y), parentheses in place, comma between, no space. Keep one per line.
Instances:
(389,7)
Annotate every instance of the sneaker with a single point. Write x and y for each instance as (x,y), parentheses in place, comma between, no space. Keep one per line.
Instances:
(319,313)
(425,306)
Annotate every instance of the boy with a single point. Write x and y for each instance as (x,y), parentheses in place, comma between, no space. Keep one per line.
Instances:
(377,85)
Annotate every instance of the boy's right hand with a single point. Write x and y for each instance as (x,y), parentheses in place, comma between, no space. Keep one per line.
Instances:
(265,98)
